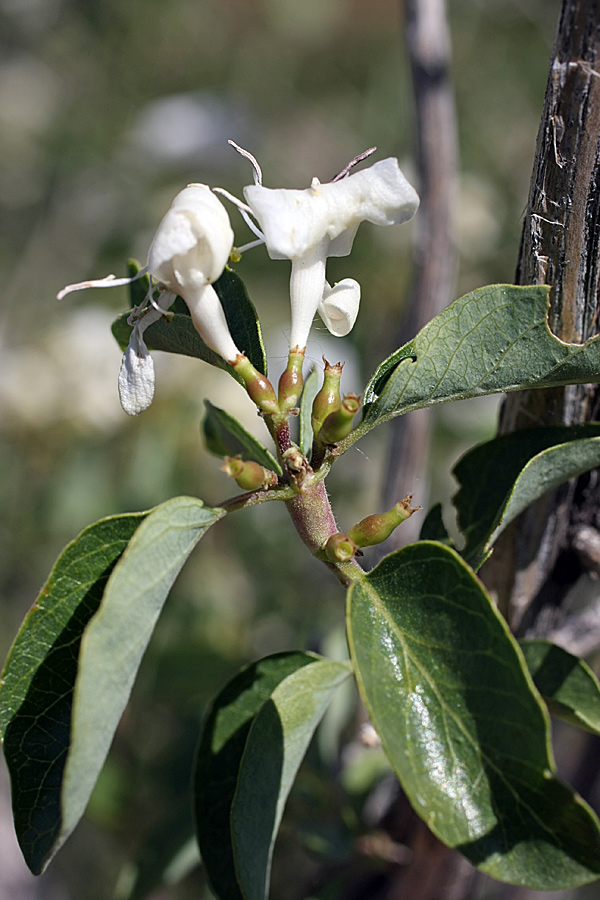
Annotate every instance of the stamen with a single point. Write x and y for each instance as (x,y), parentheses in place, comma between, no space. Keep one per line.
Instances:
(244,211)
(353,162)
(108,281)
(249,245)
(248,155)
(239,203)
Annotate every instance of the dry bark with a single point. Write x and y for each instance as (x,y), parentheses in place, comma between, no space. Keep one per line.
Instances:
(532,567)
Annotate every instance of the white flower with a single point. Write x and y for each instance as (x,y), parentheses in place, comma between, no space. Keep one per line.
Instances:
(307,226)
(189,251)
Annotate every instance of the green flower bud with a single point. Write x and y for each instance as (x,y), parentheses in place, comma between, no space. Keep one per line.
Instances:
(248,474)
(328,399)
(258,386)
(340,548)
(338,424)
(290,383)
(377,528)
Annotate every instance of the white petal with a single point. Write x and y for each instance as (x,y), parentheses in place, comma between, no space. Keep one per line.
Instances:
(339,306)
(210,322)
(136,376)
(193,242)
(307,284)
(295,221)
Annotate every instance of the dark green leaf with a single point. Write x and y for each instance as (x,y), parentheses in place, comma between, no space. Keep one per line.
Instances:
(36,693)
(275,747)
(462,725)
(225,436)
(501,478)
(178,335)
(493,340)
(256,700)
(567,684)
(311,388)
(74,674)
(433,528)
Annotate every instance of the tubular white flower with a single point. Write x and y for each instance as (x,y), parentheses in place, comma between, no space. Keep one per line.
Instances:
(307,226)
(189,251)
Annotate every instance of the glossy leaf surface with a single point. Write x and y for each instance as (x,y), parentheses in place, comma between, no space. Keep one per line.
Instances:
(461,722)
(493,340)
(254,739)
(567,684)
(225,436)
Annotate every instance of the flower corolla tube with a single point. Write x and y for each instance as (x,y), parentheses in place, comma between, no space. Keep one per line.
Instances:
(188,253)
(307,226)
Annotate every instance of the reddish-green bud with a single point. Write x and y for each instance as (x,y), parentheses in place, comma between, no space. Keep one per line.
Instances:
(258,386)
(338,424)
(248,474)
(328,399)
(340,548)
(375,529)
(290,383)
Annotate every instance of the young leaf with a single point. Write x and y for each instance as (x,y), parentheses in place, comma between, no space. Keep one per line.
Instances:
(178,335)
(36,691)
(567,684)
(493,340)
(253,741)
(311,387)
(461,722)
(79,697)
(225,436)
(501,478)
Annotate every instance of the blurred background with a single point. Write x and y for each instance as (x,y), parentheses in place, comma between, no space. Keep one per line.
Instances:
(107,109)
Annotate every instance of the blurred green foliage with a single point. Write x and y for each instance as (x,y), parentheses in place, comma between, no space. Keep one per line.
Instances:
(107,108)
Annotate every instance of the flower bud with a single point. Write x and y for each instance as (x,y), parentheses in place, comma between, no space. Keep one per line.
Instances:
(248,474)
(340,548)
(290,383)
(259,388)
(328,398)
(338,424)
(377,528)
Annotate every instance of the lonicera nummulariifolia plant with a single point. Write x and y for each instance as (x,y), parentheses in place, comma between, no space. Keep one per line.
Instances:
(460,707)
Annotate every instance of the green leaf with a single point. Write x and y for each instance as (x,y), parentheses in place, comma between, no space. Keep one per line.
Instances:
(493,340)
(36,691)
(461,722)
(178,335)
(567,684)
(433,528)
(501,478)
(311,388)
(225,436)
(71,670)
(253,741)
